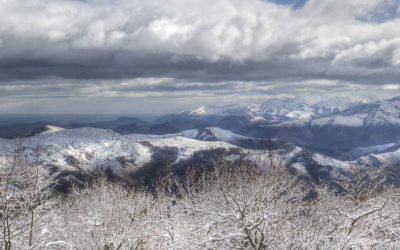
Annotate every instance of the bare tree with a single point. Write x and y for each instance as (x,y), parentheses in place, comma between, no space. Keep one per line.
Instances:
(24,190)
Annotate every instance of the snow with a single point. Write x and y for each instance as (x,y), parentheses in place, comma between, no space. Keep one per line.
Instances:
(225,135)
(258,119)
(51,129)
(293,153)
(295,123)
(188,144)
(324,160)
(387,113)
(215,134)
(141,137)
(321,121)
(300,168)
(377,148)
(192,133)
(88,148)
(214,110)
(275,109)
(300,115)
(290,109)
(350,121)
(356,120)
(85,149)
(199,111)
(390,158)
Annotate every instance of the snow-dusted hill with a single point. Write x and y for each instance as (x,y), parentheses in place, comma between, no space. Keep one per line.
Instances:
(72,154)
(204,134)
(86,150)
(211,134)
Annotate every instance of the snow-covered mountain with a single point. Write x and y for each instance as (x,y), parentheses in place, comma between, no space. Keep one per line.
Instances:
(374,149)
(211,134)
(273,109)
(73,155)
(334,105)
(288,109)
(380,113)
(215,110)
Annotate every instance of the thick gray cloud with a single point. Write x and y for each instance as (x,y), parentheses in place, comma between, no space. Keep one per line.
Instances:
(170,50)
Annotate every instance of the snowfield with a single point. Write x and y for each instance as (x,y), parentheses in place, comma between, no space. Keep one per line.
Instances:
(206,134)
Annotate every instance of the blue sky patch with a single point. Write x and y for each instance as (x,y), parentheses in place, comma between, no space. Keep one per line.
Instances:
(386,12)
(296,4)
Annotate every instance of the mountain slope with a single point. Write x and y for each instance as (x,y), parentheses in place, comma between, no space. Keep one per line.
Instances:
(366,125)
(75,155)
(381,113)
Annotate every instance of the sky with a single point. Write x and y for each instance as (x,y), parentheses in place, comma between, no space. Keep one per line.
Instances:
(161,56)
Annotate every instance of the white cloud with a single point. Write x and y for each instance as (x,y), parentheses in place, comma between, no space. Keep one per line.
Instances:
(227,29)
(193,47)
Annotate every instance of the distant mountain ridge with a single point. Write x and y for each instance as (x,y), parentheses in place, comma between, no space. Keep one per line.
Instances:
(325,127)
(271,110)
(377,113)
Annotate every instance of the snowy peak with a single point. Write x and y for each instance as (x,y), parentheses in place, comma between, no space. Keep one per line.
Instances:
(387,113)
(273,109)
(214,110)
(334,112)
(288,109)
(380,113)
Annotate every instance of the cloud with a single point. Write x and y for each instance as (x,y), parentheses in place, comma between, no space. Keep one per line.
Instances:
(71,48)
(237,31)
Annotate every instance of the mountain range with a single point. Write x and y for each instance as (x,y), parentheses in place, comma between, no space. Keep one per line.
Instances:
(317,141)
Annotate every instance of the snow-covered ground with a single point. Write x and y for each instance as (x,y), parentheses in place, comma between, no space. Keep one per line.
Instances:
(88,149)
(206,134)
(85,149)
(187,147)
